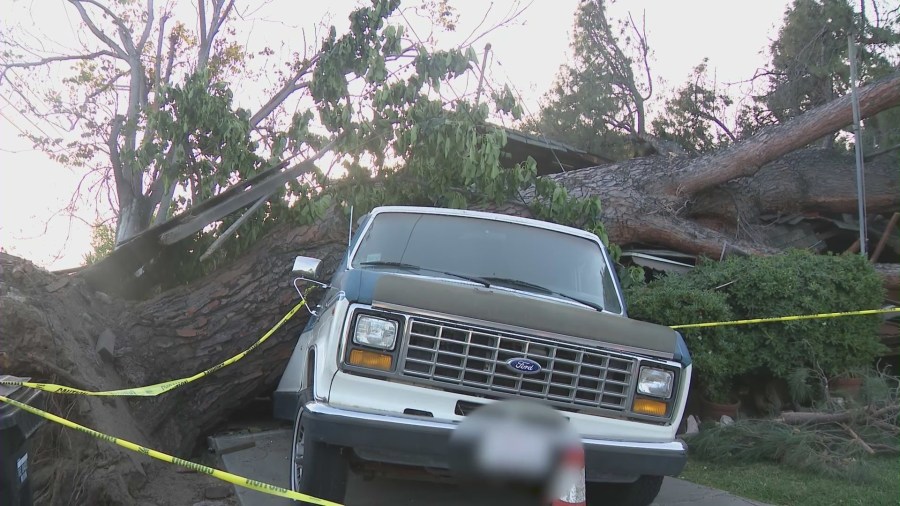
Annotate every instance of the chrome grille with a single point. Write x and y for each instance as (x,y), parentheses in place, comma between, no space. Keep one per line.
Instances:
(455,356)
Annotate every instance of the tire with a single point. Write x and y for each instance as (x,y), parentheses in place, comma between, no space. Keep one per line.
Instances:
(639,493)
(317,469)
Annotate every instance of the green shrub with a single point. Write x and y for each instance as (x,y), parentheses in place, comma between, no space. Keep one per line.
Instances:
(717,352)
(793,283)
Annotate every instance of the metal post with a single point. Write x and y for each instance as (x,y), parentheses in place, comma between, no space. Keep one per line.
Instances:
(857,141)
(350,232)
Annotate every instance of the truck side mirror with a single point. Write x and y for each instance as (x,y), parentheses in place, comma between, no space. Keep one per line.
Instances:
(307,267)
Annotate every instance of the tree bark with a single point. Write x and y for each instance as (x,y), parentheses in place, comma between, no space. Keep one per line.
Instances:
(50,325)
(188,329)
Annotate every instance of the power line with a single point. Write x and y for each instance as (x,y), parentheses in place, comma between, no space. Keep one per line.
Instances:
(26,118)
(13,123)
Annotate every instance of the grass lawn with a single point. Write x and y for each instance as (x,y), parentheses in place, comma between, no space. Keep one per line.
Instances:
(780,485)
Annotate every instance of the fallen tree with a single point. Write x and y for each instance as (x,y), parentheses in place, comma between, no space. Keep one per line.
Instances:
(50,324)
(697,205)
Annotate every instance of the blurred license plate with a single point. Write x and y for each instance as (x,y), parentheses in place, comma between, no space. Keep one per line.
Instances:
(517,452)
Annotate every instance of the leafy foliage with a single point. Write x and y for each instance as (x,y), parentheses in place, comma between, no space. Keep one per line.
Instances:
(103,241)
(597,103)
(693,117)
(810,60)
(792,283)
(810,56)
(160,119)
(718,353)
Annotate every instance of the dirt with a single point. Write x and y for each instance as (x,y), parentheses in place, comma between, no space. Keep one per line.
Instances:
(49,326)
(168,485)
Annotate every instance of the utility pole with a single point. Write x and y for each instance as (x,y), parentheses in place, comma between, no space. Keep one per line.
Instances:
(487,49)
(857,141)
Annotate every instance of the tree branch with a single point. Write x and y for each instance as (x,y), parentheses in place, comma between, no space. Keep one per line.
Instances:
(125,34)
(201,10)
(239,195)
(122,177)
(232,229)
(162,214)
(173,41)
(96,31)
(220,18)
(148,27)
(872,156)
(52,59)
(289,87)
(157,65)
(208,34)
(645,50)
(720,124)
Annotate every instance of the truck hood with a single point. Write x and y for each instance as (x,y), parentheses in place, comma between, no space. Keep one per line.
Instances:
(510,309)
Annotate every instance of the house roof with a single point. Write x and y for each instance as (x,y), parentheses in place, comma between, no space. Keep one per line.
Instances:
(551,156)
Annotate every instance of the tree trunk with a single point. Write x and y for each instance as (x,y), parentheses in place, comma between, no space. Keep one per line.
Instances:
(51,323)
(746,157)
(191,328)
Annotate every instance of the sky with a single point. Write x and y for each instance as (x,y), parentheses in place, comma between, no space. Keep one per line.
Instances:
(38,222)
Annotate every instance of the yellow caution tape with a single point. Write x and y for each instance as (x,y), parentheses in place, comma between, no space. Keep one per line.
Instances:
(787,318)
(159,388)
(215,473)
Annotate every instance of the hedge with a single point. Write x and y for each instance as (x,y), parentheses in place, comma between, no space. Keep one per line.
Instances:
(793,283)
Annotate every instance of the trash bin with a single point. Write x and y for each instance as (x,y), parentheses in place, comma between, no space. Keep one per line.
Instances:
(16,426)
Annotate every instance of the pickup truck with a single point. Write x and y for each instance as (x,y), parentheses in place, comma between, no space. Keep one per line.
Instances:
(435,312)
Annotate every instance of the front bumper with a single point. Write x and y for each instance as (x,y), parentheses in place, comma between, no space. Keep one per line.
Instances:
(424,442)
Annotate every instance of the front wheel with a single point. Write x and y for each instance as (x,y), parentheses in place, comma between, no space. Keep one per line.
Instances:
(317,469)
(639,493)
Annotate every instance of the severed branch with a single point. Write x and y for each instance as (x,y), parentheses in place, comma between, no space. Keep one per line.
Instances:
(872,156)
(232,229)
(262,185)
(858,439)
(799,418)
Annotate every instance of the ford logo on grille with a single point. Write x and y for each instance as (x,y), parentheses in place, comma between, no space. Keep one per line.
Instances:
(523,365)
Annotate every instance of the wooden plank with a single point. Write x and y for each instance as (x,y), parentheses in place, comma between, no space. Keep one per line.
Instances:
(195,221)
(884,238)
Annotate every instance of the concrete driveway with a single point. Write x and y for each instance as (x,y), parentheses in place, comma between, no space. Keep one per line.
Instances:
(264,456)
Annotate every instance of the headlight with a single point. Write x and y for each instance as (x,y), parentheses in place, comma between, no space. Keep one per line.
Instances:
(375,332)
(655,382)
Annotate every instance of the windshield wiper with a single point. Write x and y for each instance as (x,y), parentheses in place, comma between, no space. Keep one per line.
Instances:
(413,267)
(541,289)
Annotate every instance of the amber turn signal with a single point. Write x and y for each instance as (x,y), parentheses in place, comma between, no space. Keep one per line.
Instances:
(649,407)
(370,359)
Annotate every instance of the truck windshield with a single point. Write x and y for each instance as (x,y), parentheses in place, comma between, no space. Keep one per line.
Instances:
(505,254)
